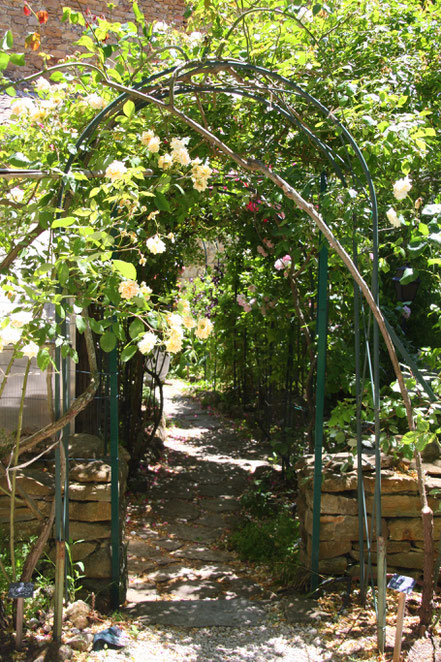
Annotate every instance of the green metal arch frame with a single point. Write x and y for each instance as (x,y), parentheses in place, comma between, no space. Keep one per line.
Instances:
(176,87)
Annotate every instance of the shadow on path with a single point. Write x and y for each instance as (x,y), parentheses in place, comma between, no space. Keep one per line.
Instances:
(175,530)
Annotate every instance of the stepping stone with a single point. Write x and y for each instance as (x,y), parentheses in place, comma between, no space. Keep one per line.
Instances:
(200,613)
(222,505)
(194,533)
(142,552)
(177,510)
(193,589)
(201,553)
(169,545)
(216,490)
(176,571)
(212,520)
(139,593)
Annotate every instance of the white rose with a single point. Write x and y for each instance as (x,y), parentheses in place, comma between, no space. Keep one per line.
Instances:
(153,145)
(402,188)
(42,85)
(392,217)
(16,194)
(95,101)
(115,170)
(30,350)
(147,342)
(10,335)
(165,161)
(17,320)
(155,245)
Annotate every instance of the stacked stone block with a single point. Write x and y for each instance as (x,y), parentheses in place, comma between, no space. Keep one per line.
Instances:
(57,38)
(339,551)
(89,508)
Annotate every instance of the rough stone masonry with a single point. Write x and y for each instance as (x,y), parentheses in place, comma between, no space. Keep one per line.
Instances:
(339,551)
(57,38)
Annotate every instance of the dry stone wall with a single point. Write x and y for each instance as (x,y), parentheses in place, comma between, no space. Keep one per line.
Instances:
(89,508)
(57,38)
(339,551)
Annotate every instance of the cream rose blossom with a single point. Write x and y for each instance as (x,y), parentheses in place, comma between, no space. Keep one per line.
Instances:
(42,85)
(115,170)
(204,328)
(10,335)
(19,319)
(16,194)
(128,289)
(402,187)
(145,290)
(155,245)
(95,101)
(30,350)
(189,322)
(165,161)
(173,342)
(392,217)
(147,342)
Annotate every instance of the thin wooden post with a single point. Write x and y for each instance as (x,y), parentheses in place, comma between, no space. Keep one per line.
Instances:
(19,624)
(399,627)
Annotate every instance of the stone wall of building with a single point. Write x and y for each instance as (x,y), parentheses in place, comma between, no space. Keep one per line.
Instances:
(57,38)
(89,508)
(401,519)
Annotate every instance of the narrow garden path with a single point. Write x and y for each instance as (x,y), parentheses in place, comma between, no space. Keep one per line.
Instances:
(191,598)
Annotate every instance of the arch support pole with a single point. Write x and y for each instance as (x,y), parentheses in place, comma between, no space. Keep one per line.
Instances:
(322,330)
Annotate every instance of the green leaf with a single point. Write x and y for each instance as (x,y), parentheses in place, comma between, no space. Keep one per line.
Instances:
(8,41)
(4,61)
(64,222)
(409,275)
(114,74)
(96,326)
(57,76)
(44,268)
(136,328)
(63,274)
(129,109)
(87,42)
(18,59)
(19,160)
(80,323)
(43,359)
(138,14)
(10,91)
(118,330)
(126,269)
(128,352)
(108,341)
(161,202)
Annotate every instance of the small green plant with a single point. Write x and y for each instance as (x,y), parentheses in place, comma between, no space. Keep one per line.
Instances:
(268,533)
(75,572)
(273,541)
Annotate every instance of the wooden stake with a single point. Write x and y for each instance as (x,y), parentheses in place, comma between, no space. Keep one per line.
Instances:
(399,626)
(59,589)
(19,624)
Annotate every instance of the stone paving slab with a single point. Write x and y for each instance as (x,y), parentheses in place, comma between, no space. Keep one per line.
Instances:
(201,613)
(201,553)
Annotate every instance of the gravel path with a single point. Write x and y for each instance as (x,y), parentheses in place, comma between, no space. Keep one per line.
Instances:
(189,598)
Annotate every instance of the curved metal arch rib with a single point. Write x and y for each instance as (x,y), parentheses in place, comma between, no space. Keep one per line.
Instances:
(174,81)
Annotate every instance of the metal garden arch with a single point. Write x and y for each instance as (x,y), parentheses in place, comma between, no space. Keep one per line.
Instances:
(271,91)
